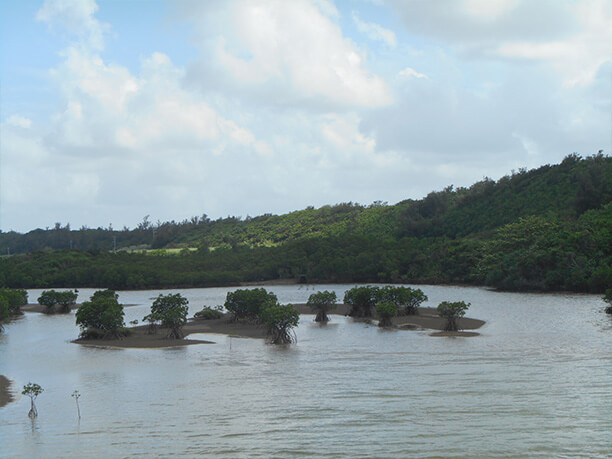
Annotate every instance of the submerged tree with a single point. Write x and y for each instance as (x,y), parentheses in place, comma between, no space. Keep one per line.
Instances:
(386,311)
(171,311)
(608,299)
(452,312)
(102,317)
(32,390)
(280,321)
(322,303)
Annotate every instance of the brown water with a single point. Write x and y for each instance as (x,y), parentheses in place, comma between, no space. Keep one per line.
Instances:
(537,382)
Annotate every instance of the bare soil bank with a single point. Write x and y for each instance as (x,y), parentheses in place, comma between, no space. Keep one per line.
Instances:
(5,394)
(139,338)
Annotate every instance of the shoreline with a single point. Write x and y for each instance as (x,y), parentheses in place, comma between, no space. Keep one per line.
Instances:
(6,396)
(427,319)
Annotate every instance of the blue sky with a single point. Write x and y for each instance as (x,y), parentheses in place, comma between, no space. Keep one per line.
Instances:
(113,110)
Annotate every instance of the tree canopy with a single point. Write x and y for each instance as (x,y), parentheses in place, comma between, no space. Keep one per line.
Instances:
(101,317)
(452,311)
(280,320)
(171,311)
(322,303)
(248,303)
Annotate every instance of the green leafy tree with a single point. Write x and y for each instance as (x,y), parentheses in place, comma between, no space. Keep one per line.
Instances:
(66,299)
(48,299)
(32,390)
(406,299)
(101,318)
(280,321)
(15,298)
(171,311)
(108,293)
(608,299)
(247,304)
(386,311)
(322,303)
(362,300)
(452,312)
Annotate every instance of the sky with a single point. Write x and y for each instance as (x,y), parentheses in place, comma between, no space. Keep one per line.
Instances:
(113,110)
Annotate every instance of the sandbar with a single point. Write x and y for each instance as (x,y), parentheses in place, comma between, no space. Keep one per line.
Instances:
(426,319)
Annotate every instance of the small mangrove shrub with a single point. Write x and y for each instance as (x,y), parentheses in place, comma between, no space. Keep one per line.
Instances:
(362,300)
(32,390)
(386,311)
(171,312)
(280,320)
(50,298)
(321,303)
(248,303)
(208,313)
(452,312)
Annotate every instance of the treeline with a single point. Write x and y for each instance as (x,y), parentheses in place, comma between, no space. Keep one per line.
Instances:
(545,229)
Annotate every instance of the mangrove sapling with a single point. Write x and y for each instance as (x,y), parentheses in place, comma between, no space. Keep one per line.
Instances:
(280,321)
(386,311)
(76,396)
(608,299)
(452,312)
(322,303)
(32,390)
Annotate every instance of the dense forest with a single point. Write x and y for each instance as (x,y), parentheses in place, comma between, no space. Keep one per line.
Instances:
(543,229)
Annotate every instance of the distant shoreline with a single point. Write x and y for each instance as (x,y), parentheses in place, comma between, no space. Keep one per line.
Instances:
(427,319)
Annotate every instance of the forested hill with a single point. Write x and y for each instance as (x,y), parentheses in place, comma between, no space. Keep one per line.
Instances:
(547,228)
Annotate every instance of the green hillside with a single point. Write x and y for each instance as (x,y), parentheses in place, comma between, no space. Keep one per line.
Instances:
(544,229)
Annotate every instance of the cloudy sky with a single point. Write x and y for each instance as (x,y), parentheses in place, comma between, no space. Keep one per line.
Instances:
(113,110)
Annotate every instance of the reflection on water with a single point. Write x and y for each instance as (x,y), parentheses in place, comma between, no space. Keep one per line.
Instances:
(537,382)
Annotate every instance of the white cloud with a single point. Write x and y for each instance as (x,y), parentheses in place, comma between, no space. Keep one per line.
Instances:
(290,51)
(75,18)
(410,72)
(375,31)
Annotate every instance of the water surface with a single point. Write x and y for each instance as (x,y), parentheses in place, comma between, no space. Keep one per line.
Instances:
(537,382)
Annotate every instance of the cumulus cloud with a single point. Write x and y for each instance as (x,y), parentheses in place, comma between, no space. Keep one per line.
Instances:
(574,38)
(76,18)
(291,52)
